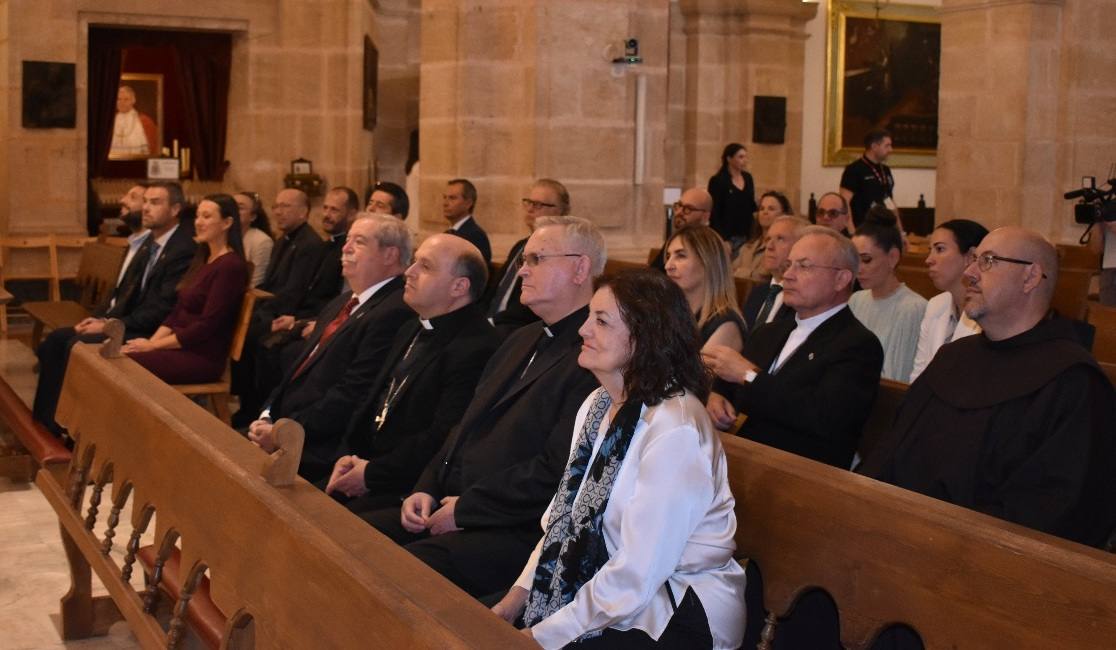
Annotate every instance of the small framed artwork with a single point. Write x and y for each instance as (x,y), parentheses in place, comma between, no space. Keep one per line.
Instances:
(137,129)
(371,78)
(883,64)
(163,169)
(49,95)
(301,167)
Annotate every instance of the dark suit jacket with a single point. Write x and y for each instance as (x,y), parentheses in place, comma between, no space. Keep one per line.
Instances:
(323,397)
(508,453)
(515,314)
(159,294)
(294,261)
(327,281)
(816,404)
(754,303)
(471,231)
(429,403)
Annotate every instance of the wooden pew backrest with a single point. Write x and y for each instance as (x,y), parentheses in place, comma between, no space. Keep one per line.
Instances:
(309,573)
(886,555)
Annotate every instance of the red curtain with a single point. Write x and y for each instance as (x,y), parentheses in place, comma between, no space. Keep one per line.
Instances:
(202,62)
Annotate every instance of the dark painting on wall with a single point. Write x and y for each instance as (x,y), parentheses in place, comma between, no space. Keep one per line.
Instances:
(371,77)
(137,129)
(884,64)
(49,95)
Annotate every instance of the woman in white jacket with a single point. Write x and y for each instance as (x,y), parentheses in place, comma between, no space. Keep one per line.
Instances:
(638,545)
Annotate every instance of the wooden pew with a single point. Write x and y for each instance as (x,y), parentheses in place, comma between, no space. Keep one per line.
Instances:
(960,578)
(287,566)
(96,277)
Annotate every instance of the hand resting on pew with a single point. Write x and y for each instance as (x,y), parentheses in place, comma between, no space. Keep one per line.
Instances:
(90,325)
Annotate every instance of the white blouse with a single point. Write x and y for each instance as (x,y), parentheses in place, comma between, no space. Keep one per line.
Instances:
(257,250)
(939,326)
(669,518)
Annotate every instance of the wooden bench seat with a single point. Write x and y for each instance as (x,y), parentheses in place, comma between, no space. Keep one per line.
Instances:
(961,579)
(39,447)
(287,565)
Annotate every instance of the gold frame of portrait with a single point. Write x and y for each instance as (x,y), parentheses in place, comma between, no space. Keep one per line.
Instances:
(838,11)
(158,117)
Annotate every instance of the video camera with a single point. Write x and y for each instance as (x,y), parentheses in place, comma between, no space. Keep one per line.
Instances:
(1097,205)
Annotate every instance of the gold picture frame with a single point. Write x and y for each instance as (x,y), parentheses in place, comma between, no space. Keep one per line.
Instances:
(883,62)
(148,93)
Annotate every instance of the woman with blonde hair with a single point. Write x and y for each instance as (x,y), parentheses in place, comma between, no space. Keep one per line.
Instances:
(697,262)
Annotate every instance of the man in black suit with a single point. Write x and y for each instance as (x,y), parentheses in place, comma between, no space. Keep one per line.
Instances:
(764,303)
(547,198)
(474,514)
(347,347)
(294,261)
(145,292)
(458,202)
(693,207)
(388,198)
(806,385)
(426,382)
(339,207)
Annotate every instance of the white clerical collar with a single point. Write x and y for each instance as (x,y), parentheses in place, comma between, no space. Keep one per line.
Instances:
(457,224)
(426,325)
(546,329)
(371,291)
(810,324)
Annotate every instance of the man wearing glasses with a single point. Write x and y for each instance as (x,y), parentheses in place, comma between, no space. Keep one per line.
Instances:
(833,213)
(1017,422)
(546,198)
(694,207)
(805,384)
(474,514)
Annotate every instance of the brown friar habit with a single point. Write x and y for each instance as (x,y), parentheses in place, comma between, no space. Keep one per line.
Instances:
(1022,429)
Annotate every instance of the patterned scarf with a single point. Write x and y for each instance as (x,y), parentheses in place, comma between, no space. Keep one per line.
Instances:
(573,548)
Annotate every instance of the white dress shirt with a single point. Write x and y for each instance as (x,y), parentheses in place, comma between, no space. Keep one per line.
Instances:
(460,222)
(939,326)
(798,336)
(669,518)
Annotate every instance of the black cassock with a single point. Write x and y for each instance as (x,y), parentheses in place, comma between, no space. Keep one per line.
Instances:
(1022,429)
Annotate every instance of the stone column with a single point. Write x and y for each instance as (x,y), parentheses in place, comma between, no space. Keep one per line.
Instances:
(735,50)
(516,90)
(1026,109)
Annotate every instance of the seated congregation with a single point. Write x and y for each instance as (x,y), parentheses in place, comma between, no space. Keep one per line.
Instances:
(545,437)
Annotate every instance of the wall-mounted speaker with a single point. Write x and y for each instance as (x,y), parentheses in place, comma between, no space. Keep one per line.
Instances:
(769,120)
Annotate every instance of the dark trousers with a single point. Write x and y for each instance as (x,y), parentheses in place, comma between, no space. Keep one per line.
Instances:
(54,354)
(480,561)
(688,628)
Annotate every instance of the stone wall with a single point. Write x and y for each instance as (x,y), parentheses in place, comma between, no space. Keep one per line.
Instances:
(1026,109)
(516,90)
(296,90)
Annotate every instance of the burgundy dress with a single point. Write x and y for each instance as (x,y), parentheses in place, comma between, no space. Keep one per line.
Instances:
(203,319)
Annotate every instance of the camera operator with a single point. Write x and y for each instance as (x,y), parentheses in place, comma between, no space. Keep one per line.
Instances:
(1105,243)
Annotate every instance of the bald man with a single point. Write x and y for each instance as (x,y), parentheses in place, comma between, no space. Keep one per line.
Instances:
(427,379)
(695,206)
(1017,422)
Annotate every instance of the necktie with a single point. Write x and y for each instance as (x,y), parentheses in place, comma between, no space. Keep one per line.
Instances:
(151,259)
(768,304)
(511,272)
(330,329)
(133,277)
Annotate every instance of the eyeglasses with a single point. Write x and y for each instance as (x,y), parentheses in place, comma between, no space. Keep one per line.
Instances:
(532,260)
(532,204)
(685,209)
(805,266)
(832,214)
(988,260)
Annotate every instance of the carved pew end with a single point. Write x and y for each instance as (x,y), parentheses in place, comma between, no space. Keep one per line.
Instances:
(114,330)
(281,467)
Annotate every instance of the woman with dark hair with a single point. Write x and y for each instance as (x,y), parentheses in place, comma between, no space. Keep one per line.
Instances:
(192,344)
(953,247)
(697,262)
(638,542)
(749,263)
(886,306)
(734,197)
(255,231)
